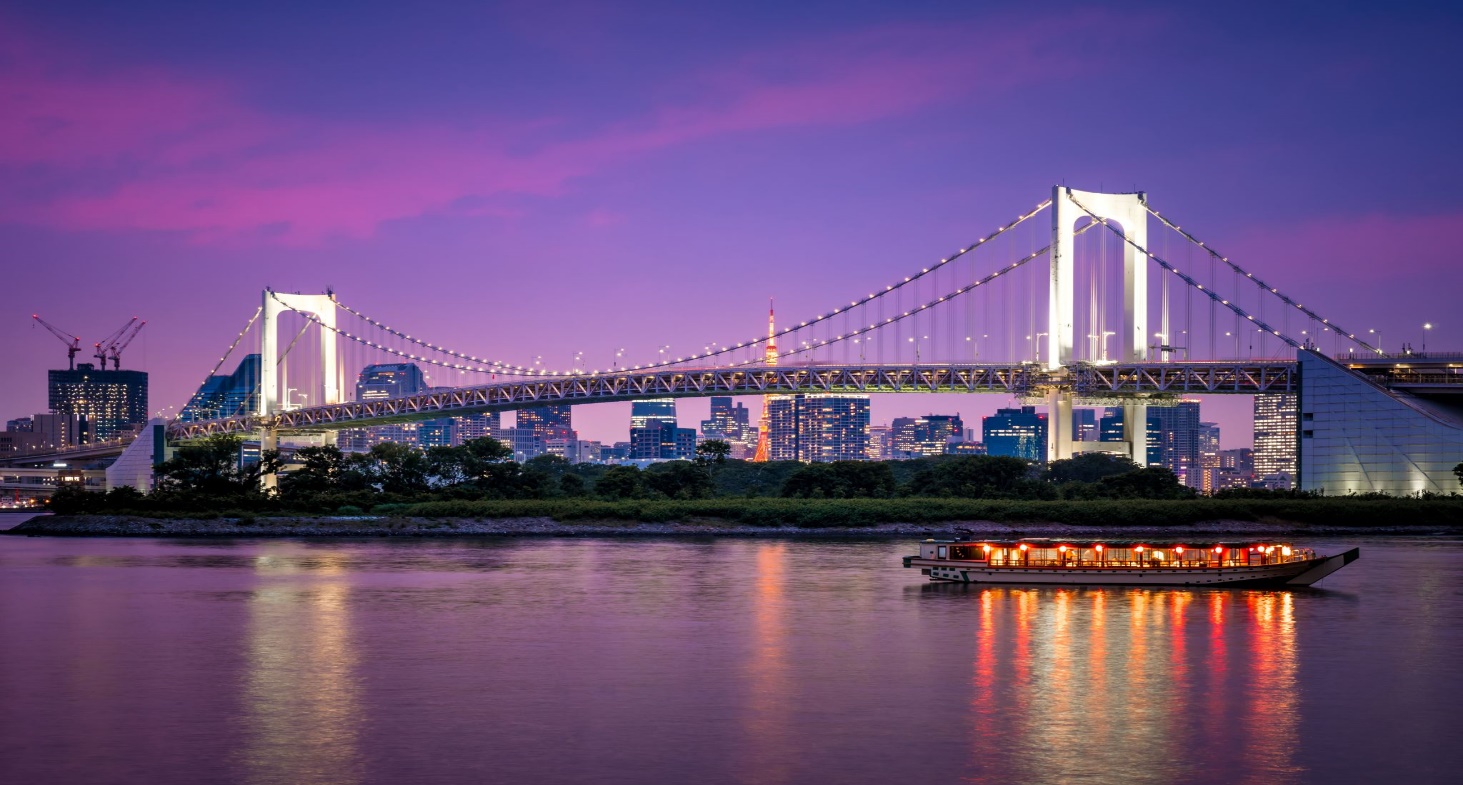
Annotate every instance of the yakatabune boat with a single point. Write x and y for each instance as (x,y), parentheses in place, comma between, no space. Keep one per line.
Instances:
(1071,562)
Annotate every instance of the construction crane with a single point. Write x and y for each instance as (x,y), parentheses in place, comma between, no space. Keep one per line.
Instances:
(105,345)
(118,346)
(73,343)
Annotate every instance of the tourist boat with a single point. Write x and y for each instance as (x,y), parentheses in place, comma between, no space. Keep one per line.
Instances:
(1074,562)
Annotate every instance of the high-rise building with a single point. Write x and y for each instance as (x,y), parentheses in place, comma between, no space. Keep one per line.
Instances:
(477,426)
(54,431)
(1275,439)
(1173,433)
(658,409)
(1208,457)
(536,426)
(731,423)
(377,383)
(1236,468)
(111,401)
(1110,429)
(881,443)
(915,437)
(1084,425)
(20,425)
(662,440)
(817,428)
(226,396)
(1017,433)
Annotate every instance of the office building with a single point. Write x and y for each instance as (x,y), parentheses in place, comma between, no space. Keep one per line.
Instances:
(1236,468)
(536,426)
(377,383)
(1275,439)
(477,426)
(112,402)
(818,428)
(1016,433)
(226,395)
(1208,457)
(655,409)
(881,443)
(915,437)
(731,422)
(662,440)
(1084,425)
(20,425)
(1173,433)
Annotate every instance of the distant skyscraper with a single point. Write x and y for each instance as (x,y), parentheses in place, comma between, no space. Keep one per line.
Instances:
(732,424)
(1084,425)
(881,443)
(817,428)
(20,425)
(536,426)
(1236,468)
(1275,438)
(659,409)
(477,426)
(1174,436)
(662,440)
(226,396)
(1016,433)
(914,437)
(1208,457)
(378,383)
(110,401)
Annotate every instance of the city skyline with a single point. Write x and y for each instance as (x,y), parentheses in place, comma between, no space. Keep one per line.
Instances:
(621,187)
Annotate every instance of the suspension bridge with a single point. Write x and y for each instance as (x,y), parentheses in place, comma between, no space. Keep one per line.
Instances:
(1029,309)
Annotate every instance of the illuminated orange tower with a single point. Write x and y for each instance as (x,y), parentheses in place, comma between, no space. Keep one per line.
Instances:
(763,442)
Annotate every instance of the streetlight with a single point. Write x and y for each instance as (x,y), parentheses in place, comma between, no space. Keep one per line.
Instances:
(1105,335)
(1379,340)
(1426,328)
(662,353)
(618,354)
(1040,336)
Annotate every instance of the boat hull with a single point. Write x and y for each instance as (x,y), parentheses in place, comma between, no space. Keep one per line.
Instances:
(1296,573)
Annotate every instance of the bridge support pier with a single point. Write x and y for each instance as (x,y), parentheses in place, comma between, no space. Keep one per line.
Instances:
(1135,432)
(1059,425)
(268,440)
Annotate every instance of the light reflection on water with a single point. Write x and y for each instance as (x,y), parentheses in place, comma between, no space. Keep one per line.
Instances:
(712,661)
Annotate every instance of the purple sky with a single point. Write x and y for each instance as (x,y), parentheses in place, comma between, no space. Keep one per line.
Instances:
(538,179)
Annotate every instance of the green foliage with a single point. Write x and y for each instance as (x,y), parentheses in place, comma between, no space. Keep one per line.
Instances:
(840,480)
(1088,467)
(1458,472)
(677,480)
(211,469)
(1150,482)
(974,477)
(620,482)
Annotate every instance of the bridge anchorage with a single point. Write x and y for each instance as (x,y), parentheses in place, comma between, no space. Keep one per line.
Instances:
(1017,312)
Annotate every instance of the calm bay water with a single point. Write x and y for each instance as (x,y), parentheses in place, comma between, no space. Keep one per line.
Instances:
(709,661)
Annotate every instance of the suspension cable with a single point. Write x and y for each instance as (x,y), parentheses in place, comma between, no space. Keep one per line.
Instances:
(221,360)
(519,370)
(1261,284)
(1186,279)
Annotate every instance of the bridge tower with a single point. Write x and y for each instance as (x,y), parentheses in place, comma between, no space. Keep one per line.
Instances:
(320,306)
(1129,211)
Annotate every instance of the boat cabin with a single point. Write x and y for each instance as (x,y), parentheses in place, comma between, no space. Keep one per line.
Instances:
(1043,552)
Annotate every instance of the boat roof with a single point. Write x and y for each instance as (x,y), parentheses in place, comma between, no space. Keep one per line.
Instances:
(1049,542)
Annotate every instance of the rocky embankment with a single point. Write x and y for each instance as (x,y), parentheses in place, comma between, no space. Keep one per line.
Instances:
(367,526)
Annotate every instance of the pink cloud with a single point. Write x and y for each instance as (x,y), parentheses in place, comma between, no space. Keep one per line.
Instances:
(1366,248)
(173,152)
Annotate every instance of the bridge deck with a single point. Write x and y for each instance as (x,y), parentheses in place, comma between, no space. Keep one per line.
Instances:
(1116,380)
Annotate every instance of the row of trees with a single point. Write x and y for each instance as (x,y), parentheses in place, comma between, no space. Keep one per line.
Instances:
(208,476)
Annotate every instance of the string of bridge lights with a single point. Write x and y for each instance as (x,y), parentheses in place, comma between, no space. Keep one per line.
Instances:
(1261,284)
(916,311)
(1188,280)
(225,356)
(500,367)
(382,347)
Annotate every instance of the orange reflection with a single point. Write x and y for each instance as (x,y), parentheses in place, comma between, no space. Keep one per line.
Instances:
(772,738)
(1132,685)
(300,697)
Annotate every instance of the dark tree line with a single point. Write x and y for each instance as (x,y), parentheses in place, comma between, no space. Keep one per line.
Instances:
(207,476)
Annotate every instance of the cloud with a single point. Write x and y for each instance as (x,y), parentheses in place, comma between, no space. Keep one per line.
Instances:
(1358,249)
(96,146)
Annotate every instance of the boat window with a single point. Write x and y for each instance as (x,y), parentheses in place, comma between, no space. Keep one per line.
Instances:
(943,553)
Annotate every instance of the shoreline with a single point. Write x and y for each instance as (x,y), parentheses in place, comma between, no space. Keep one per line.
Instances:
(356,527)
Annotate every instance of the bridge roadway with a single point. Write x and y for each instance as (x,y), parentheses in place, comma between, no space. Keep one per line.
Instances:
(1102,381)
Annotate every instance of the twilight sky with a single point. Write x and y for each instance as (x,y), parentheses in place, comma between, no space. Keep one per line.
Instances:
(535,179)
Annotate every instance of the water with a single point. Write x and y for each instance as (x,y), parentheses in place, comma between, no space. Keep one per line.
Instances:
(707,661)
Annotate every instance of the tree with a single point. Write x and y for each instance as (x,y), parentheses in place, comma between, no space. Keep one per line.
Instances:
(1151,482)
(1458,472)
(973,477)
(620,482)
(395,468)
(678,480)
(214,467)
(1089,467)
(840,480)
